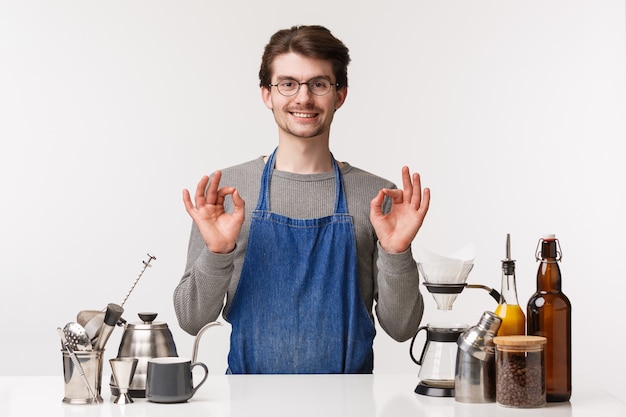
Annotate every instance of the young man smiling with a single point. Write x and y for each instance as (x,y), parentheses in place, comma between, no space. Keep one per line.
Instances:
(294,248)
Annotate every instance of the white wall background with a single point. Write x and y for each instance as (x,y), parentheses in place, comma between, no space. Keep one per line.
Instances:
(513,112)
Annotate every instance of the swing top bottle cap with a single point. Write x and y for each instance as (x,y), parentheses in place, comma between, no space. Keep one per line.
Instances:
(549,236)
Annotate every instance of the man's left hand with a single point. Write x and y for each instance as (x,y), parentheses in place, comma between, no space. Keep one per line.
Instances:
(397,229)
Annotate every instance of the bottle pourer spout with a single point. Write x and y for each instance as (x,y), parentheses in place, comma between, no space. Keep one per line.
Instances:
(508,264)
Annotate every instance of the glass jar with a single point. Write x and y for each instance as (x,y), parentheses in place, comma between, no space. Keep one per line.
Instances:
(520,371)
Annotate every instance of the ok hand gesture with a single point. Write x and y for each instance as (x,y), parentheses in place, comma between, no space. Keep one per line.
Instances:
(218,228)
(397,229)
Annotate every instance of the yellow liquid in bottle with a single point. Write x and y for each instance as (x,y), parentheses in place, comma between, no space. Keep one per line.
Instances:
(513,320)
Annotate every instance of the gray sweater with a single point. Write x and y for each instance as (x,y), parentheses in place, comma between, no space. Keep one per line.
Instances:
(210,280)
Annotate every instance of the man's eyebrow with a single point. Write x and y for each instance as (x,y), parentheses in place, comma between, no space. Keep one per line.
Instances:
(291,77)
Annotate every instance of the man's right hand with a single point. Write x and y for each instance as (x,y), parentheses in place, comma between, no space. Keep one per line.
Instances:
(218,228)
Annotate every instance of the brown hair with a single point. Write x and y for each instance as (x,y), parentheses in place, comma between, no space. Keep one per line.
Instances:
(309,41)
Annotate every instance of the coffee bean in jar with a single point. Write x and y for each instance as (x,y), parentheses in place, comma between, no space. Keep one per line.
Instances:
(520,371)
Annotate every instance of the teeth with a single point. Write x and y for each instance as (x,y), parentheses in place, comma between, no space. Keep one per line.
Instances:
(304,115)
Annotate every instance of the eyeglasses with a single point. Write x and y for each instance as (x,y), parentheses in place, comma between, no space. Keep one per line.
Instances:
(317,86)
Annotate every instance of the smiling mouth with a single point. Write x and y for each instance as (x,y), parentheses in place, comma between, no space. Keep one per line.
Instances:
(304,115)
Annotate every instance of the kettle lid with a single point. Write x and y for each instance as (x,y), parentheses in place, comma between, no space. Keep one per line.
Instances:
(147,322)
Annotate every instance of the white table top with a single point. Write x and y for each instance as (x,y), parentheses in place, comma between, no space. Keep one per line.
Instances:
(291,395)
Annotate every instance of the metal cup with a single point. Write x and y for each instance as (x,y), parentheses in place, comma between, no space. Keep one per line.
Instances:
(76,390)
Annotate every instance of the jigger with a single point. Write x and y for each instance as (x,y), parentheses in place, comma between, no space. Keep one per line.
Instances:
(123,372)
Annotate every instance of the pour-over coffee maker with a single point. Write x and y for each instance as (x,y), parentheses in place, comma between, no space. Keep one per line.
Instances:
(445,278)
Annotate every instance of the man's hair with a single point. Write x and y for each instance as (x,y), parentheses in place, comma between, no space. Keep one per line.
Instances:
(310,41)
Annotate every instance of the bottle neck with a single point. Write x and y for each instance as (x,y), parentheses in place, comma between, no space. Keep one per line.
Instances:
(508,288)
(549,273)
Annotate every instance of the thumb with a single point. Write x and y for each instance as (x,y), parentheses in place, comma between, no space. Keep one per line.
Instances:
(376,205)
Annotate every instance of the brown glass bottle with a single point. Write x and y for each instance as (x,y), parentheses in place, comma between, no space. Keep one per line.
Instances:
(549,314)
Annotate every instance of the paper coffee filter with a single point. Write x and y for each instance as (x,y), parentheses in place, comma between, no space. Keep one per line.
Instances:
(463,255)
(449,273)
(440,269)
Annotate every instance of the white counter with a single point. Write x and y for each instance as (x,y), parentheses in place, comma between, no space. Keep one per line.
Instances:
(291,395)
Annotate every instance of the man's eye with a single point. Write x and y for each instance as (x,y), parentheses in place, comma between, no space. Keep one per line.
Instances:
(287,84)
(320,84)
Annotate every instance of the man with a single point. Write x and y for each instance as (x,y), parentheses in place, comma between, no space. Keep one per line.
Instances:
(295,247)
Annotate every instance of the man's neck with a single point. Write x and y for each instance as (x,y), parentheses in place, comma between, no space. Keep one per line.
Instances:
(304,156)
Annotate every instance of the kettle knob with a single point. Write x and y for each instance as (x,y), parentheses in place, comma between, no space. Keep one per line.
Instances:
(147,317)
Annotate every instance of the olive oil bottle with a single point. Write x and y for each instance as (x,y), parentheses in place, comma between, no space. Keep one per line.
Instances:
(509,310)
(550,315)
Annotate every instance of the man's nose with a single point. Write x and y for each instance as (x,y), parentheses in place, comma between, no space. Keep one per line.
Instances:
(303,93)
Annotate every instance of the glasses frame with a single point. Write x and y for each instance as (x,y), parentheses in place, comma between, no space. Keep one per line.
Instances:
(307,83)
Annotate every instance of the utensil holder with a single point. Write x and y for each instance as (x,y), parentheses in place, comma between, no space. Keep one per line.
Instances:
(76,392)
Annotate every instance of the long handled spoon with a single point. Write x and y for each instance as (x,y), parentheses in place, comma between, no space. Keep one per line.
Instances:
(146,265)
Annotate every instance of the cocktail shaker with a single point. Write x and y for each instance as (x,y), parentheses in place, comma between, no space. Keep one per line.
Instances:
(475,371)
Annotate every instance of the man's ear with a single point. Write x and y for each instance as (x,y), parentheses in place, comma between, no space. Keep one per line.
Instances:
(341,97)
(266,95)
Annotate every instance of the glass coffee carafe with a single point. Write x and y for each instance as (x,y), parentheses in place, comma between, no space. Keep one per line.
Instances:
(438,358)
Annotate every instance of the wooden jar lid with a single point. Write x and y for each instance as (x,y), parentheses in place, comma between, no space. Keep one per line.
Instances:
(520,341)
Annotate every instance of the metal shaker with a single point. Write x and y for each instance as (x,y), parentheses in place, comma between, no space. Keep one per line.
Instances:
(475,370)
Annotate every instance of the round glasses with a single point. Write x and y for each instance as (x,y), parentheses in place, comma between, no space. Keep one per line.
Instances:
(317,86)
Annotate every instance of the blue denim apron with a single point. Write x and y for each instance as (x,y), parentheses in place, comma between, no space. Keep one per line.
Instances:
(298,306)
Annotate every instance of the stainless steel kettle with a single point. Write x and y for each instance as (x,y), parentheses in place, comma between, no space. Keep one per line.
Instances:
(144,340)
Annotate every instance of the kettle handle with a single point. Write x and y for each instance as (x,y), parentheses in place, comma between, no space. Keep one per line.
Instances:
(419,362)
(196,343)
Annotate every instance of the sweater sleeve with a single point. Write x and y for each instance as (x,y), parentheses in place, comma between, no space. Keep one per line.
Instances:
(400,305)
(199,296)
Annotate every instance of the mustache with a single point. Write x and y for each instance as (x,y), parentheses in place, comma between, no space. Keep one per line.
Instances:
(305,108)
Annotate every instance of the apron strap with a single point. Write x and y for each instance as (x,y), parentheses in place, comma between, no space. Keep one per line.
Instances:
(341,204)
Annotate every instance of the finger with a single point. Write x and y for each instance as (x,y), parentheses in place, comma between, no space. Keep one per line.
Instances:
(237,200)
(211,190)
(416,198)
(199,197)
(187,201)
(222,193)
(376,205)
(397,196)
(239,203)
(425,203)
(407,185)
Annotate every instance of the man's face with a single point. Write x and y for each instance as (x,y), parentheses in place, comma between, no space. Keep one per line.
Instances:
(303,115)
